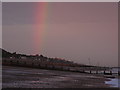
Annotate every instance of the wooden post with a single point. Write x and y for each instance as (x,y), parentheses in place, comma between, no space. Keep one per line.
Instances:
(118,72)
(104,71)
(110,72)
(11,62)
(90,72)
(96,71)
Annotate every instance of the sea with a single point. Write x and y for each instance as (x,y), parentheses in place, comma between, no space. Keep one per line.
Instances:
(115,82)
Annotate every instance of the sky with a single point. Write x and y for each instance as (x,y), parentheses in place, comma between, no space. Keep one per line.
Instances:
(85,33)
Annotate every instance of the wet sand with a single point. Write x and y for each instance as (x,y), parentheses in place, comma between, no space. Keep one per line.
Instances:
(19,77)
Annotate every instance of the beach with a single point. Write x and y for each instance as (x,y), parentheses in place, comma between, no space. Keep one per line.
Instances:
(21,77)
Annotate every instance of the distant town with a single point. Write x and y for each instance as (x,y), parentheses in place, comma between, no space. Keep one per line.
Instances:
(41,58)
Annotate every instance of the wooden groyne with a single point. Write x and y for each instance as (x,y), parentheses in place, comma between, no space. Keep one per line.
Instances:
(53,66)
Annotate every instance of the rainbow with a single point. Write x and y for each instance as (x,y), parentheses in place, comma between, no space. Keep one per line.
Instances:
(41,14)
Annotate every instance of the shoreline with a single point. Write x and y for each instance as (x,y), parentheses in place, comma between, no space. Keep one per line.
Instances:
(113,82)
(21,77)
(50,66)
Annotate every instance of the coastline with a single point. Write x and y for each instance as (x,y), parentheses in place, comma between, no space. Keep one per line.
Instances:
(22,77)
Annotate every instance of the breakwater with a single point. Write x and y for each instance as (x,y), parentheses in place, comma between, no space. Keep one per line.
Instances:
(55,66)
